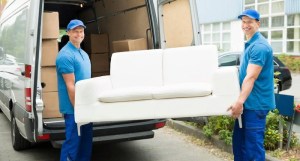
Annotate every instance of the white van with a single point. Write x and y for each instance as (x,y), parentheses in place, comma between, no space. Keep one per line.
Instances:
(30,31)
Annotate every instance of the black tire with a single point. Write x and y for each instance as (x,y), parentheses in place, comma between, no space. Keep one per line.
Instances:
(18,142)
(279,87)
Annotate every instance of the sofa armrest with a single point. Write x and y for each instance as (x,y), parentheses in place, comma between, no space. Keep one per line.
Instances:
(87,91)
(226,81)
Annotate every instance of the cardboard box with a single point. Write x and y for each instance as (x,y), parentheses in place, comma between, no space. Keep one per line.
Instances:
(49,52)
(51,105)
(100,62)
(129,45)
(96,43)
(98,74)
(48,76)
(50,25)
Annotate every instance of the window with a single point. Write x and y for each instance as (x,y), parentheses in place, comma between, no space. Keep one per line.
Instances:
(293,33)
(249,1)
(263,9)
(207,37)
(259,1)
(276,35)
(293,46)
(264,22)
(293,20)
(250,7)
(216,27)
(226,26)
(216,37)
(226,36)
(13,31)
(277,46)
(228,60)
(206,27)
(278,21)
(217,34)
(278,7)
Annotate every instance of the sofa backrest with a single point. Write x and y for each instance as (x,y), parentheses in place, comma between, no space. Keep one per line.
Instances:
(136,68)
(189,64)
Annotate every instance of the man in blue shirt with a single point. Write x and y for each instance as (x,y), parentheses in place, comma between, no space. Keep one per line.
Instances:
(257,92)
(73,65)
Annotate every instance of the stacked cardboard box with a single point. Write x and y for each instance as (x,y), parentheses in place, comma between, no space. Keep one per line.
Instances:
(48,72)
(130,45)
(96,45)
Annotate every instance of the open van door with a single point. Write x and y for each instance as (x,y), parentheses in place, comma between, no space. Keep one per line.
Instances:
(178,21)
(34,47)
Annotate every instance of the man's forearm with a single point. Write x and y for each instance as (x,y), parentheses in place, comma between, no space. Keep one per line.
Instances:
(71,93)
(247,87)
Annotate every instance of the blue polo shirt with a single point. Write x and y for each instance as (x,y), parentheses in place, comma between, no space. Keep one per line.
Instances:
(259,52)
(70,60)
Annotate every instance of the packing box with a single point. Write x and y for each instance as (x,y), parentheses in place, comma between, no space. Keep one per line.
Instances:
(51,105)
(49,78)
(100,62)
(96,43)
(49,52)
(50,25)
(129,45)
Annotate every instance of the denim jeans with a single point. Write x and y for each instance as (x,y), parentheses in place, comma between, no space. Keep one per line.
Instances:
(248,142)
(77,148)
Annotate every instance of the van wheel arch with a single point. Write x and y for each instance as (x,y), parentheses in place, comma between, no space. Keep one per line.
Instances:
(17,140)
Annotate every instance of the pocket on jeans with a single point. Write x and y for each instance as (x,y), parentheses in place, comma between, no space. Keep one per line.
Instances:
(257,121)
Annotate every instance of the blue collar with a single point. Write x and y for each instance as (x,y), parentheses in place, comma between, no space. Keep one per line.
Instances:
(72,47)
(253,38)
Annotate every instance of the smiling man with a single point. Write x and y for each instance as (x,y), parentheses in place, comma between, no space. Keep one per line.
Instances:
(73,65)
(257,91)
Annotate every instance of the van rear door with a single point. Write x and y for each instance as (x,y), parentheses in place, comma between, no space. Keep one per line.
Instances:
(35,48)
(178,22)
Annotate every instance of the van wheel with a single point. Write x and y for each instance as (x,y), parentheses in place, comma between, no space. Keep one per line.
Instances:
(18,142)
(279,87)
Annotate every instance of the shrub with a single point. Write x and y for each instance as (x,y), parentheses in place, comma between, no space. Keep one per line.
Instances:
(223,127)
(292,62)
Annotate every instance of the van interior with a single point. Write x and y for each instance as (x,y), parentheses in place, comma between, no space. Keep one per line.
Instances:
(111,26)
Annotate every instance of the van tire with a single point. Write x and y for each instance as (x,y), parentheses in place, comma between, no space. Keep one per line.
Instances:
(18,142)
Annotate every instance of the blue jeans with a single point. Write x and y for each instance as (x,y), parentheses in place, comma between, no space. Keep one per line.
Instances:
(248,142)
(77,148)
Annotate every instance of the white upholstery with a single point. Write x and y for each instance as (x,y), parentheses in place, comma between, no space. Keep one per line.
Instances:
(186,64)
(126,94)
(151,84)
(136,68)
(182,90)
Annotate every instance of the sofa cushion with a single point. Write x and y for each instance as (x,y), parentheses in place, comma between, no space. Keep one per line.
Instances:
(189,64)
(136,68)
(126,94)
(182,90)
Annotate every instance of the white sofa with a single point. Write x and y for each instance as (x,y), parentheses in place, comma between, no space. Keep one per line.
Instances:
(160,83)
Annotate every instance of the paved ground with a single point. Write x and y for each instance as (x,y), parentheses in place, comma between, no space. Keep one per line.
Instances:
(167,145)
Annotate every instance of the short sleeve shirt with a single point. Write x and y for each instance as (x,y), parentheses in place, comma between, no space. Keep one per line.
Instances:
(70,60)
(259,52)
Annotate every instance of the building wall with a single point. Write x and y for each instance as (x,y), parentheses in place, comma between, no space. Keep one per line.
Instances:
(280,24)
